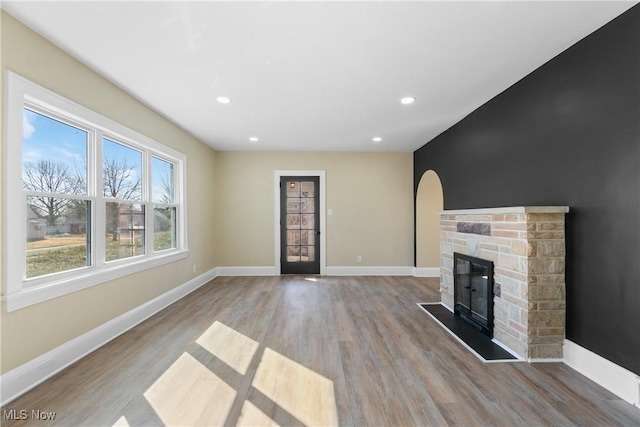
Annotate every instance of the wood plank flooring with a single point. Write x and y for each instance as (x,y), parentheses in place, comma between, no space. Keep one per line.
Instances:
(293,350)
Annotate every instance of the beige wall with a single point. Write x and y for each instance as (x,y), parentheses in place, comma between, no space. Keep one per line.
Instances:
(32,331)
(230,205)
(370,195)
(429,201)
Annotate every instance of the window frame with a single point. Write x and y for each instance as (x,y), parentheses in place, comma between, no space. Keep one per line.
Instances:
(18,291)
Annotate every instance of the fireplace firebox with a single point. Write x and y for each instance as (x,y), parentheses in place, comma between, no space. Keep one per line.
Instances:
(473,291)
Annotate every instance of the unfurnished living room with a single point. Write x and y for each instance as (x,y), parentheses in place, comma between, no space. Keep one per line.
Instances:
(321,213)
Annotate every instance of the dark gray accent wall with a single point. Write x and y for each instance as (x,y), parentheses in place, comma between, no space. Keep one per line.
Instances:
(566,134)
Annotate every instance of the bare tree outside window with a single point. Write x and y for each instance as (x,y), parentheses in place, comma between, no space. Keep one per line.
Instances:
(119,179)
(54,176)
(47,176)
(125,216)
(166,186)
(119,182)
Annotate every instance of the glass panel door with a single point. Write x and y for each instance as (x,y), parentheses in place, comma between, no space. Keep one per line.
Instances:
(299,225)
(479,293)
(463,288)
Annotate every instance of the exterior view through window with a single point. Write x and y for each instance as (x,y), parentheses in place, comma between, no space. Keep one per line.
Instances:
(164,207)
(90,200)
(54,178)
(122,183)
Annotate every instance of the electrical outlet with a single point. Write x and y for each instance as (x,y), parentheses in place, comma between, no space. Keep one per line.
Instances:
(194,269)
(359,259)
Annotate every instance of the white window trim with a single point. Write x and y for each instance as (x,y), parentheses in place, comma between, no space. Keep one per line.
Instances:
(19,292)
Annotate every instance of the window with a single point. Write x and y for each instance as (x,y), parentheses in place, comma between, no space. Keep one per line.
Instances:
(54,181)
(81,195)
(122,186)
(164,205)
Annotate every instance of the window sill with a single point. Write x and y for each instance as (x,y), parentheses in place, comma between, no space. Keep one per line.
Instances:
(85,279)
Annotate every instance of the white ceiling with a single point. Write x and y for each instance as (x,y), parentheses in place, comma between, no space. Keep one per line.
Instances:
(315,75)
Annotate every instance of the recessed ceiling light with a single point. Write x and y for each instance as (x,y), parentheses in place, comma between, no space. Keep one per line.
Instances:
(376,139)
(408,100)
(253,139)
(223,100)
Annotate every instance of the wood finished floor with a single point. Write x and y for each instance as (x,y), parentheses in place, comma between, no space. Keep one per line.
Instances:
(304,351)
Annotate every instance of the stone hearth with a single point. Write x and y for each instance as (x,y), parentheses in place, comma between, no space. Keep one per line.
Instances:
(527,246)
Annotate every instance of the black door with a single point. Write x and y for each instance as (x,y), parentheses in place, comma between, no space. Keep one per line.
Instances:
(299,225)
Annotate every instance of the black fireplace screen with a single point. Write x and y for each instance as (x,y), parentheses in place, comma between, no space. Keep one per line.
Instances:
(473,291)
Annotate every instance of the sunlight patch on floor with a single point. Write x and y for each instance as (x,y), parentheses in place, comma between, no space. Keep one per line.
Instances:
(189,394)
(251,416)
(303,393)
(230,346)
(122,422)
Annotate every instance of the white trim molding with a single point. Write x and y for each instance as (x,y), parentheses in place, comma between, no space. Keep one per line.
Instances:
(246,271)
(25,377)
(615,378)
(64,287)
(332,271)
(370,271)
(550,360)
(426,271)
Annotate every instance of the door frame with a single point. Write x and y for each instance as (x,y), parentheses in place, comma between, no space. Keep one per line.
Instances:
(277,174)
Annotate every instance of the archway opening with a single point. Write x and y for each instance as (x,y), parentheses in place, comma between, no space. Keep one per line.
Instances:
(429,201)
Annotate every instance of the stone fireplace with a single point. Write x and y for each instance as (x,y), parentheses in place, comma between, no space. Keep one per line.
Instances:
(527,247)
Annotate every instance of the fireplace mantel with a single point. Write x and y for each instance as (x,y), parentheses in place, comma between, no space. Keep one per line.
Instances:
(527,247)
(508,210)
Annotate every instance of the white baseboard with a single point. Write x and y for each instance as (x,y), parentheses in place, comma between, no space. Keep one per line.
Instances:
(426,271)
(23,378)
(336,271)
(616,379)
(550,360)
(246,271)
(370,271)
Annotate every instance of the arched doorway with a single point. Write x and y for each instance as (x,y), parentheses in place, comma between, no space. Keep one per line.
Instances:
(429,201)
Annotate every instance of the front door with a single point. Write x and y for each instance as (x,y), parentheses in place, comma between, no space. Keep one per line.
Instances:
(299,225)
